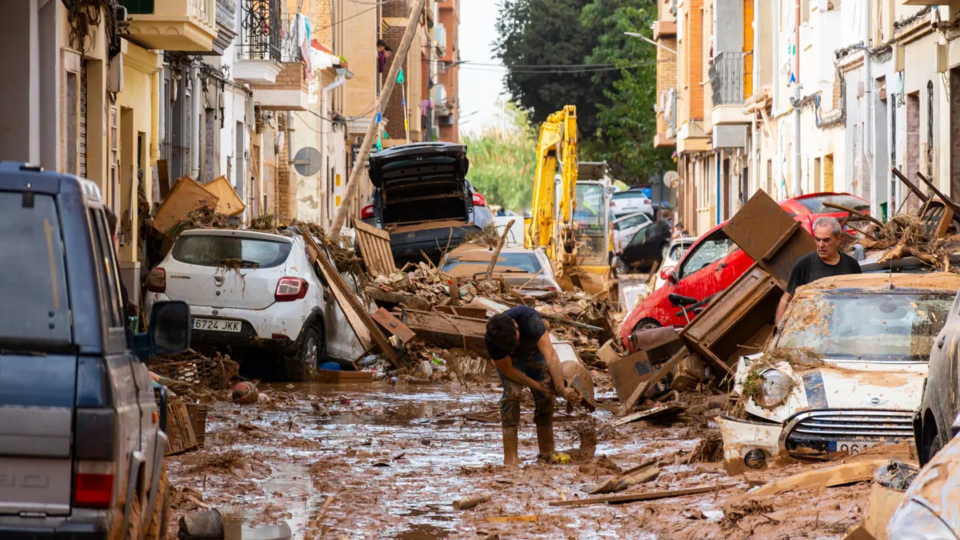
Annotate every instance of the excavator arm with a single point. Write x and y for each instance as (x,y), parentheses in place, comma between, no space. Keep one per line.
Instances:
(557,145)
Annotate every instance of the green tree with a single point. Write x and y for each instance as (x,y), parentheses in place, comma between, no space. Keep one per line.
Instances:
(614,106)
(503,161)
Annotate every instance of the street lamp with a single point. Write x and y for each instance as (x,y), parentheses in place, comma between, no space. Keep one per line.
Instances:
(650,41)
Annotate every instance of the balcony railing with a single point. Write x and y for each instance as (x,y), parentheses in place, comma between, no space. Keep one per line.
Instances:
(726,78)
(262,30)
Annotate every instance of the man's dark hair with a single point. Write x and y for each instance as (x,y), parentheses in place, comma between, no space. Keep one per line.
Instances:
(382,43)
(503,331)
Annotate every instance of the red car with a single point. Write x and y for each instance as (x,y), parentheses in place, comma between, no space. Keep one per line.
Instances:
(714,262)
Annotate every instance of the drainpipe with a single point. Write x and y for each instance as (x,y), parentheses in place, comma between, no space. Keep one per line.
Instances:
(867,105)
(155,102)
(755,142)
(196,96)
(796,140)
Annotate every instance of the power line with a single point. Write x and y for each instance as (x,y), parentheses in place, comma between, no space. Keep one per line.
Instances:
(356,14)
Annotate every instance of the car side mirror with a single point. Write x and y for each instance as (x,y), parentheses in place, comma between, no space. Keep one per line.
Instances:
(169,330)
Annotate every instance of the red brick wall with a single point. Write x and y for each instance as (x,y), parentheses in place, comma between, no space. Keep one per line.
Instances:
(450,78)
(393,111)
(395,8)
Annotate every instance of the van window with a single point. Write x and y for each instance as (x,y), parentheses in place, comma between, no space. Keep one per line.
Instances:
(33,283)
(229,251)
(110,281)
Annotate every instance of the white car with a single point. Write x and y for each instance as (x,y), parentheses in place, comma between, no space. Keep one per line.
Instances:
(251,290)
(527,268)
(631,201)
(625,227)
(675,252)
(874,333)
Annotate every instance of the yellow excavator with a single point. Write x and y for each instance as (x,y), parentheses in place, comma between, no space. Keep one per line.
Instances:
(570,212)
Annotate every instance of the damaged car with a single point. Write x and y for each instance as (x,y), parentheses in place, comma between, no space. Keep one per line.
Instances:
(845,371)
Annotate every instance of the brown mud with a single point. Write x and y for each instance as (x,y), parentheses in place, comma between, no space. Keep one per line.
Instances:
(394,459)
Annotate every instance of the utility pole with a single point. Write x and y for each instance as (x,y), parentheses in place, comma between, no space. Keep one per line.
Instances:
(371,135)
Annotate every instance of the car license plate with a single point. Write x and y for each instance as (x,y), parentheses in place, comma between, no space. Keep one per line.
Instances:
(218,325)
(851,447)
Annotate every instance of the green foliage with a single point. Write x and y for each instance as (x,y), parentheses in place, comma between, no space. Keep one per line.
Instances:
(502,166)
(615,108)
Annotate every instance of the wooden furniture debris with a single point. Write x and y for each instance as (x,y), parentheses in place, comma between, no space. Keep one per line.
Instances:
(947,201)
(641,473)
(375,247)
(469,312)
(179,428)
(647,496)
(649,383)
(392,297)
(163,178)
(228,202)
(607,354)
(936,218)
(393,325)
(853,213)
(838,475)
(629,372)
(356,314)
(185,197)
(913,188)
(655,412)
(198,419)
(513,519)
(447,331)
(326,376)
(736,322)
(768,234)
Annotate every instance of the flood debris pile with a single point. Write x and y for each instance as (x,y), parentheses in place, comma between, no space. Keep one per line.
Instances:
(195,375)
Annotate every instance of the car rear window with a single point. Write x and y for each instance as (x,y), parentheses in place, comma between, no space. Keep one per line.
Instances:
(524,262)
(230,251)
(33,282)
(815,204)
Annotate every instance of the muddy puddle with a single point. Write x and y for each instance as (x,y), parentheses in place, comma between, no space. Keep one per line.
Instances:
(394,459)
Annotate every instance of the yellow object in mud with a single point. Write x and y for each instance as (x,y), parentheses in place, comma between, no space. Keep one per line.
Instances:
(559,458)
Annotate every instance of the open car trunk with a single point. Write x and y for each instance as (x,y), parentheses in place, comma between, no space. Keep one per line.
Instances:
(421,183)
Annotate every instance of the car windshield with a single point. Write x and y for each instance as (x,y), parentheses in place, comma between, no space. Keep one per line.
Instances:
(32,272)
(590,208)
(711,250)
(865,326)
(507,262)
(230,251)
(815,204)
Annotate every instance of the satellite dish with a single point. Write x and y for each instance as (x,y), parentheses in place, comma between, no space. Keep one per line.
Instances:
(307,161)
(670,178)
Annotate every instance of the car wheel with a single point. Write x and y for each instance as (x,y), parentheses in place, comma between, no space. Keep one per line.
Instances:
(933,445)
(300,367)
(647,324)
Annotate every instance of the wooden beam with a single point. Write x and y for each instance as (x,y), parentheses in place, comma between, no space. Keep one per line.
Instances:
(496,252)
(393,325)
(916,191)
(946,200)
(648,496)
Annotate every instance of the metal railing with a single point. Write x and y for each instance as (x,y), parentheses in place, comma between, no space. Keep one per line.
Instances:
(293,36)
(204,10)
(726,78)
(262,30)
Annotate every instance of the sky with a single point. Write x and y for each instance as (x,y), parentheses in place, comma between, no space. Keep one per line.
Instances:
(480,87)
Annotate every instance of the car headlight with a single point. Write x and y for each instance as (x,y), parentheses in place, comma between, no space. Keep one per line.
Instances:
(776,387)
(914,521)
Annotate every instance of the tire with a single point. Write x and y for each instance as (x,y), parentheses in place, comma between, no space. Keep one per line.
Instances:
(647,324)
(299,368)
(157,527)
(933,445)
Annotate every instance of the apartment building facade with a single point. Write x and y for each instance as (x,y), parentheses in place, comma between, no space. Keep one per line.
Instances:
(804,96)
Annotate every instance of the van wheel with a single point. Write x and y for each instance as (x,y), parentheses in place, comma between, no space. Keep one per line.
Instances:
(932,444)
(157,528)
(299,368)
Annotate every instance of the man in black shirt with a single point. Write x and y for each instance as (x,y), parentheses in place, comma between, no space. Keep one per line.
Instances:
(519,344)
(827,261)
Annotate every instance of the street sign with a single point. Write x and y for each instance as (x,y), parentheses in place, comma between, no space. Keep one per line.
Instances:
(307,161)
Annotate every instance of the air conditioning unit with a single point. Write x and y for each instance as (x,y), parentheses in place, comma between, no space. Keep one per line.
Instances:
(448,120)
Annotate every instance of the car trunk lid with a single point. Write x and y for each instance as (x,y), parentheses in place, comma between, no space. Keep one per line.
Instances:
(238,270)
(37,395)
(421,183)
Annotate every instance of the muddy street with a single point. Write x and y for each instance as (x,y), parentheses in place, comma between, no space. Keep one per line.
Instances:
(391,461)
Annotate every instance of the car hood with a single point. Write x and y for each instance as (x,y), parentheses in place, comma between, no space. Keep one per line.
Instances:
(415,162)
(937,488)
(843,384)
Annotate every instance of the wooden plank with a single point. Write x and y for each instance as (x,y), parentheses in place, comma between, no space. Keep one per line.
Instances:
(393,325)
(447,331)
(185,197)
(460,311)
(355,313)
(496,252)
(946,200)
(846,473)
(916,191)
(326,376)
(647,496)
(375,248)
(649,413)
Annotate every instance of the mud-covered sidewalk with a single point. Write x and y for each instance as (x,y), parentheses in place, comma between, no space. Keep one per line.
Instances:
(375,461)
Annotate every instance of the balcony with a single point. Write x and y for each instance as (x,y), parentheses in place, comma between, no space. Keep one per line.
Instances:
(289,93)
(664,29)
(173,25)
(726,79)
(261,41)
